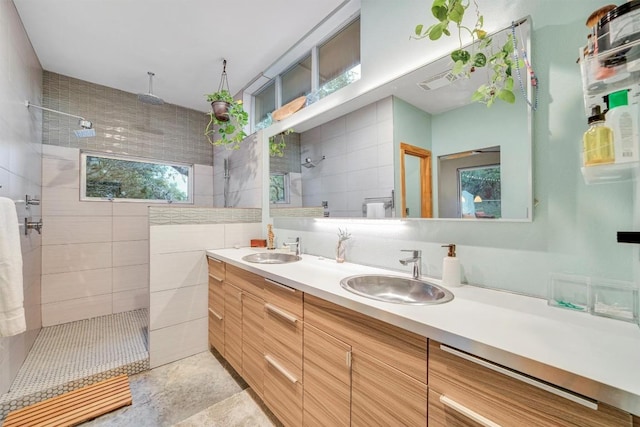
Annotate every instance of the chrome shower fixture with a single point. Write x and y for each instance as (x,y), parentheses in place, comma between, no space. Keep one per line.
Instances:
(308,163)
(150,98)
(86,130)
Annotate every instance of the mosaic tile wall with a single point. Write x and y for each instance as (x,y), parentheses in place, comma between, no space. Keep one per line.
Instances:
(176,216)
(311,212)
(122,123)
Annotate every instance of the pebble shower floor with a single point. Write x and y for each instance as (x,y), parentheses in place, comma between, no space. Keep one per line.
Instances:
(69,356)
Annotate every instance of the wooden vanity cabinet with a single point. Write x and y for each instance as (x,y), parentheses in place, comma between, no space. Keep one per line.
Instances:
(283,320)
(388,367)
(465,390)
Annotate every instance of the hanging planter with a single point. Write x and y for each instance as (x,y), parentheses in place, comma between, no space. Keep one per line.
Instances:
(277,143)
(227,116)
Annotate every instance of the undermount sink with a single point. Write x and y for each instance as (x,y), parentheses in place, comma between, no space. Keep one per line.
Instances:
(396,289)
(271,258)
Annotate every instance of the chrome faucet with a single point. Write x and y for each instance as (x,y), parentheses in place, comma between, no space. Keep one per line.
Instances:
(416,259)
(297,245)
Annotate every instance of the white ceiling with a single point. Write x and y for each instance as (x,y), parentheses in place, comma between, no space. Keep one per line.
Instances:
(115,42)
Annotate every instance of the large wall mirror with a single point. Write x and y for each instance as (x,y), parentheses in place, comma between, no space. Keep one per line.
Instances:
(420,149)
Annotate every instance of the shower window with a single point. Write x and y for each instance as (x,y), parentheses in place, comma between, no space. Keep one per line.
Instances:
(124,178)
(279,188)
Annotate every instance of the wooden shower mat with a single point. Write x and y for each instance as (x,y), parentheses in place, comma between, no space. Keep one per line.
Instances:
(74,407)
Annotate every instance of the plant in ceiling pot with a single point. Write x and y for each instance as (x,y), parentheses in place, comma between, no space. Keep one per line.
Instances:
(501,60)
(227,117)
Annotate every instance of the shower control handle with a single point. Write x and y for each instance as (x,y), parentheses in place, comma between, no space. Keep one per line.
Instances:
(32,225)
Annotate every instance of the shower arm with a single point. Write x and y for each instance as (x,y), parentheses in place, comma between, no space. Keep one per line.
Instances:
(28,104)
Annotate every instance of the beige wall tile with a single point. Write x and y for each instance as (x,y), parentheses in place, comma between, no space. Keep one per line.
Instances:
(177,342)
(130,253)
(62,201)
(60,153)
(241,234)
(60,173)
(75,257)
(179,238)
(130,277)
(73,229)
(66,286)
(131,208)
(130,300)
(176,306)
(76,309)
(176,270)
(130,228)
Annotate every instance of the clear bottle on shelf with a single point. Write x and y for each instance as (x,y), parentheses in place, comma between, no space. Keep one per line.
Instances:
(598,148)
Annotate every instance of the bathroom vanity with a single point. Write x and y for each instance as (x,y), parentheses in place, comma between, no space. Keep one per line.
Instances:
(319,355)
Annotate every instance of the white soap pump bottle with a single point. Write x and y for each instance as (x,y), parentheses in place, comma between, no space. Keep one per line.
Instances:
(451,267)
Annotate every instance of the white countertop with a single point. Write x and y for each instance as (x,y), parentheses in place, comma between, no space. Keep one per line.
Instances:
(590,355)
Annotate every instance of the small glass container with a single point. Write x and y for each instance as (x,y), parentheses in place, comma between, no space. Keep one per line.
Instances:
(615,299)
(569,292)
(597,141)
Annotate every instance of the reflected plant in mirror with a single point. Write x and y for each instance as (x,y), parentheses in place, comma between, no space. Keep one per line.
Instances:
(481,53)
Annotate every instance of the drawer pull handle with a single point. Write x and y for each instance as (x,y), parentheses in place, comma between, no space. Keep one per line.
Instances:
(281,313)
(525,379)
(280,285)
(215,314)
(216,278)
(280,369)
(467,412)
(215,260)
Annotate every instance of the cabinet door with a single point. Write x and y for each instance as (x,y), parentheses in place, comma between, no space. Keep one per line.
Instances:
(233,326)
(383,395)
(216,314)
(252,342)
(327,379)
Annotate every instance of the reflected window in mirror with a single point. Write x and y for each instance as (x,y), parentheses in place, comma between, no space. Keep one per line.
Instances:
(479,189)
(279,185)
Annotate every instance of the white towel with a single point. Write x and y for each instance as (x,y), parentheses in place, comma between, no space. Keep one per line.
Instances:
(375,210)
(12,321)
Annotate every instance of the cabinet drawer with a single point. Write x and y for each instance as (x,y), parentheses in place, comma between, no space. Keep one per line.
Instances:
(216,268)
(216,331)
(441,415)
(216,296)
(283,392)
(245,280)
(283,337)
(394,346)
(382,395)
(283,296)
(507,397)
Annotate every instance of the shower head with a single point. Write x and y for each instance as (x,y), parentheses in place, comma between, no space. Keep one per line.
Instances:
(308,163)
(87,130)
(150,98)
(87,127)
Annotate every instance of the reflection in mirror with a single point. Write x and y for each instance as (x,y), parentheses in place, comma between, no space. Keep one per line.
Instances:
(365,163)
(469,184)
(415,181)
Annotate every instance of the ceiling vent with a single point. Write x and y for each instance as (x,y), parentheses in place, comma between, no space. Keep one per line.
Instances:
(439,80)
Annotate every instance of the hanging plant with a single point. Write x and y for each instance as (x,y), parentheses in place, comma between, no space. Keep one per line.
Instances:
(227,117)
(277,143)
(481,52)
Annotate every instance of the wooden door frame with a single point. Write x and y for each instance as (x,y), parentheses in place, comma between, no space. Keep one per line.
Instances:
(426,205)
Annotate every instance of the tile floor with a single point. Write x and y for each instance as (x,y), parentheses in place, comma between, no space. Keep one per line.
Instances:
(69,356)
(200,390)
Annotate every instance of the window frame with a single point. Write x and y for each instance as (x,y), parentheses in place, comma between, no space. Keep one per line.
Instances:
(83,178)
(286,182)
(315,71)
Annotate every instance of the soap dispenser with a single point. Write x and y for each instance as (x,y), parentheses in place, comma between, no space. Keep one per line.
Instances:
(451,267)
